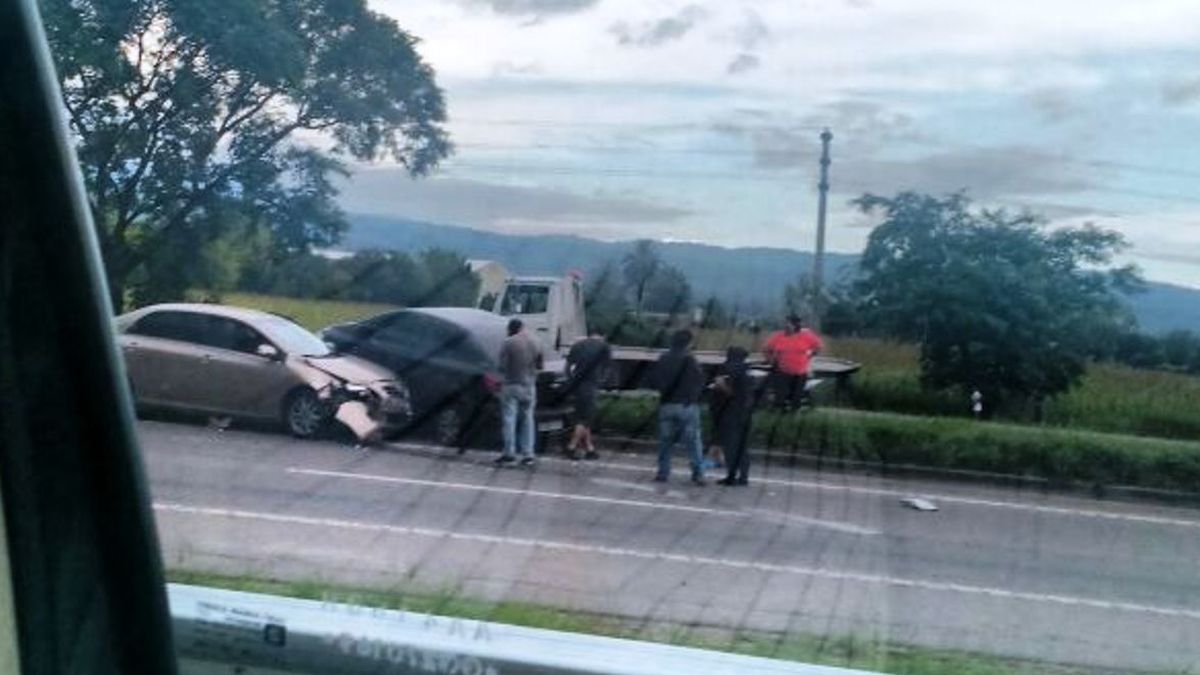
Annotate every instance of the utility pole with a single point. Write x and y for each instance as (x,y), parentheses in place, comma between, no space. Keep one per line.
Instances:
(818,271)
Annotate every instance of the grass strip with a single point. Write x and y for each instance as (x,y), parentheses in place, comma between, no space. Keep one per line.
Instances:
(1056,455)
(842,651)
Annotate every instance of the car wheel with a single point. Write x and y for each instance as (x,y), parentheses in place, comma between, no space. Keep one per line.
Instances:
(448,426)
(304,415)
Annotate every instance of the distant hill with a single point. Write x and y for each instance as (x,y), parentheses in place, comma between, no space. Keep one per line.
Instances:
(750,278)
(1164,307)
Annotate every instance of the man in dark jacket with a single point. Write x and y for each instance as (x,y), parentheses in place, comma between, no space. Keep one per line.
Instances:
(679,381)
(733,424)
(587,364)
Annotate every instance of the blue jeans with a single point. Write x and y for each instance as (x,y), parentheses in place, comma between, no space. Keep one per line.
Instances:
(517,402)
(678,423)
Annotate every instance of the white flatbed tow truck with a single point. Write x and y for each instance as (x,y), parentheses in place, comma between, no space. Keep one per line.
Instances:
(553,308)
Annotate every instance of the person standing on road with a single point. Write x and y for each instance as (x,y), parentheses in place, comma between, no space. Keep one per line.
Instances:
(790,353)
(733,425)
(587,362)
(679,381)
(520,361)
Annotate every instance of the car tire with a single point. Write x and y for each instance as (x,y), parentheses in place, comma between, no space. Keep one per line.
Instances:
(304,415)
(448,426)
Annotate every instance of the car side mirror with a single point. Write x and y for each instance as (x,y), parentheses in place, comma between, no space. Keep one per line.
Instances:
(269,352)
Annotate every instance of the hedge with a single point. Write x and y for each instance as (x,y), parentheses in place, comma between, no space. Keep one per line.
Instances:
(1059,456)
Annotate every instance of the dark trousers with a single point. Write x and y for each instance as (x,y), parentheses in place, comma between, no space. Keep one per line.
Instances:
(790,390)
(734,437)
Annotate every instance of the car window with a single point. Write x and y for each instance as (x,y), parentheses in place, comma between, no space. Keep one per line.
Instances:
(292,338)
(231,334)
(417,335)
(525,299)
(180,326)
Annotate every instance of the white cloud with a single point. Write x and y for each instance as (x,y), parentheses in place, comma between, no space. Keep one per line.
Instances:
(929,94)
(496,205)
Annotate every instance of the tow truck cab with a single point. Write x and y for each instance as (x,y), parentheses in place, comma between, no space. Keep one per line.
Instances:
(552,308)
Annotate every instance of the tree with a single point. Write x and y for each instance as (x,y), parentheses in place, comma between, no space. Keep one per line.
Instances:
(1181,349)
(715,314)
(996,301)
(449,280)
(388,277)
(604,299)
(638,267)
(798,297)
(185,113)
(668,291)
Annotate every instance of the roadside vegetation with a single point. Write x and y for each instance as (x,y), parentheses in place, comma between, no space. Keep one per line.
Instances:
(840,651)
(952,444)
(1109,397)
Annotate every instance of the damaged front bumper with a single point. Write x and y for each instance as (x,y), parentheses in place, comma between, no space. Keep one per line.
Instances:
(371,412)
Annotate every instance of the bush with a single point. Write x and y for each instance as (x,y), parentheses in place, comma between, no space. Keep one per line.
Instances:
(1059,456)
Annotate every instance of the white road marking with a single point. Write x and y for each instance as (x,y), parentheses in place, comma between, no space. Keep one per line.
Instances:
(800,570)
(640,487)
(826,524)
(887,492)
(953,499)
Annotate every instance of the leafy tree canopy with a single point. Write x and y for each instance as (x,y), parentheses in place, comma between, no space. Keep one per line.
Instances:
(185,113)
(997,301)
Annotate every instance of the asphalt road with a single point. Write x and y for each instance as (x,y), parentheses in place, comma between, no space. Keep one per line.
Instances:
(1022,574)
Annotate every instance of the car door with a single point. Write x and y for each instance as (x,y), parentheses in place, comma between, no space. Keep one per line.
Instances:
(239,381)
(165,358)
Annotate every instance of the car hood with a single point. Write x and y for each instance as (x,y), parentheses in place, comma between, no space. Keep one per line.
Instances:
(350,369)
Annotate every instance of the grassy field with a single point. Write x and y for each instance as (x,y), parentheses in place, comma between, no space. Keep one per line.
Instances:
(312,314)
(842,651)
(1111,398)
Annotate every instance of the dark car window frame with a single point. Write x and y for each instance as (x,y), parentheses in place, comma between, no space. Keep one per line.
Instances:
(257,337)
(174,333)
(206,331)
(453,343)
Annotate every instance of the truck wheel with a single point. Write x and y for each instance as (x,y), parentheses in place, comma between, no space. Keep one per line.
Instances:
(304,416)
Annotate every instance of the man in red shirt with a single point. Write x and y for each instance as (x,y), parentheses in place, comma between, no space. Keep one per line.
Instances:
(790,352)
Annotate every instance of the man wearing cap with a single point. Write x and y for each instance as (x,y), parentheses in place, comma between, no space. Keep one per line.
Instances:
(790,353)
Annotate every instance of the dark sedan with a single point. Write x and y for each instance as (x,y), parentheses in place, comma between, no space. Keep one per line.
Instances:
(449,358)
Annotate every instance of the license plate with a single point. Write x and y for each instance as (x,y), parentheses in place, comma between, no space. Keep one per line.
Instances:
(551,425)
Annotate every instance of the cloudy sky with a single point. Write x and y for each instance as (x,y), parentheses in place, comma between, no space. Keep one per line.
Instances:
(699,119)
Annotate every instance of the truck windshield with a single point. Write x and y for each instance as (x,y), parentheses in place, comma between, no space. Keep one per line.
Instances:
(525,299)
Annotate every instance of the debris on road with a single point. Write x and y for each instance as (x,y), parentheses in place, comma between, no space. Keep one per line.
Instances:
(919,504)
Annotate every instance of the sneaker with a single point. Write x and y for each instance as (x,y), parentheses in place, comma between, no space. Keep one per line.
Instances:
(572,455)
(699,481)
(528,461)
(660,479)
(741,482)
(505,460)
(727,482)
(591,455)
